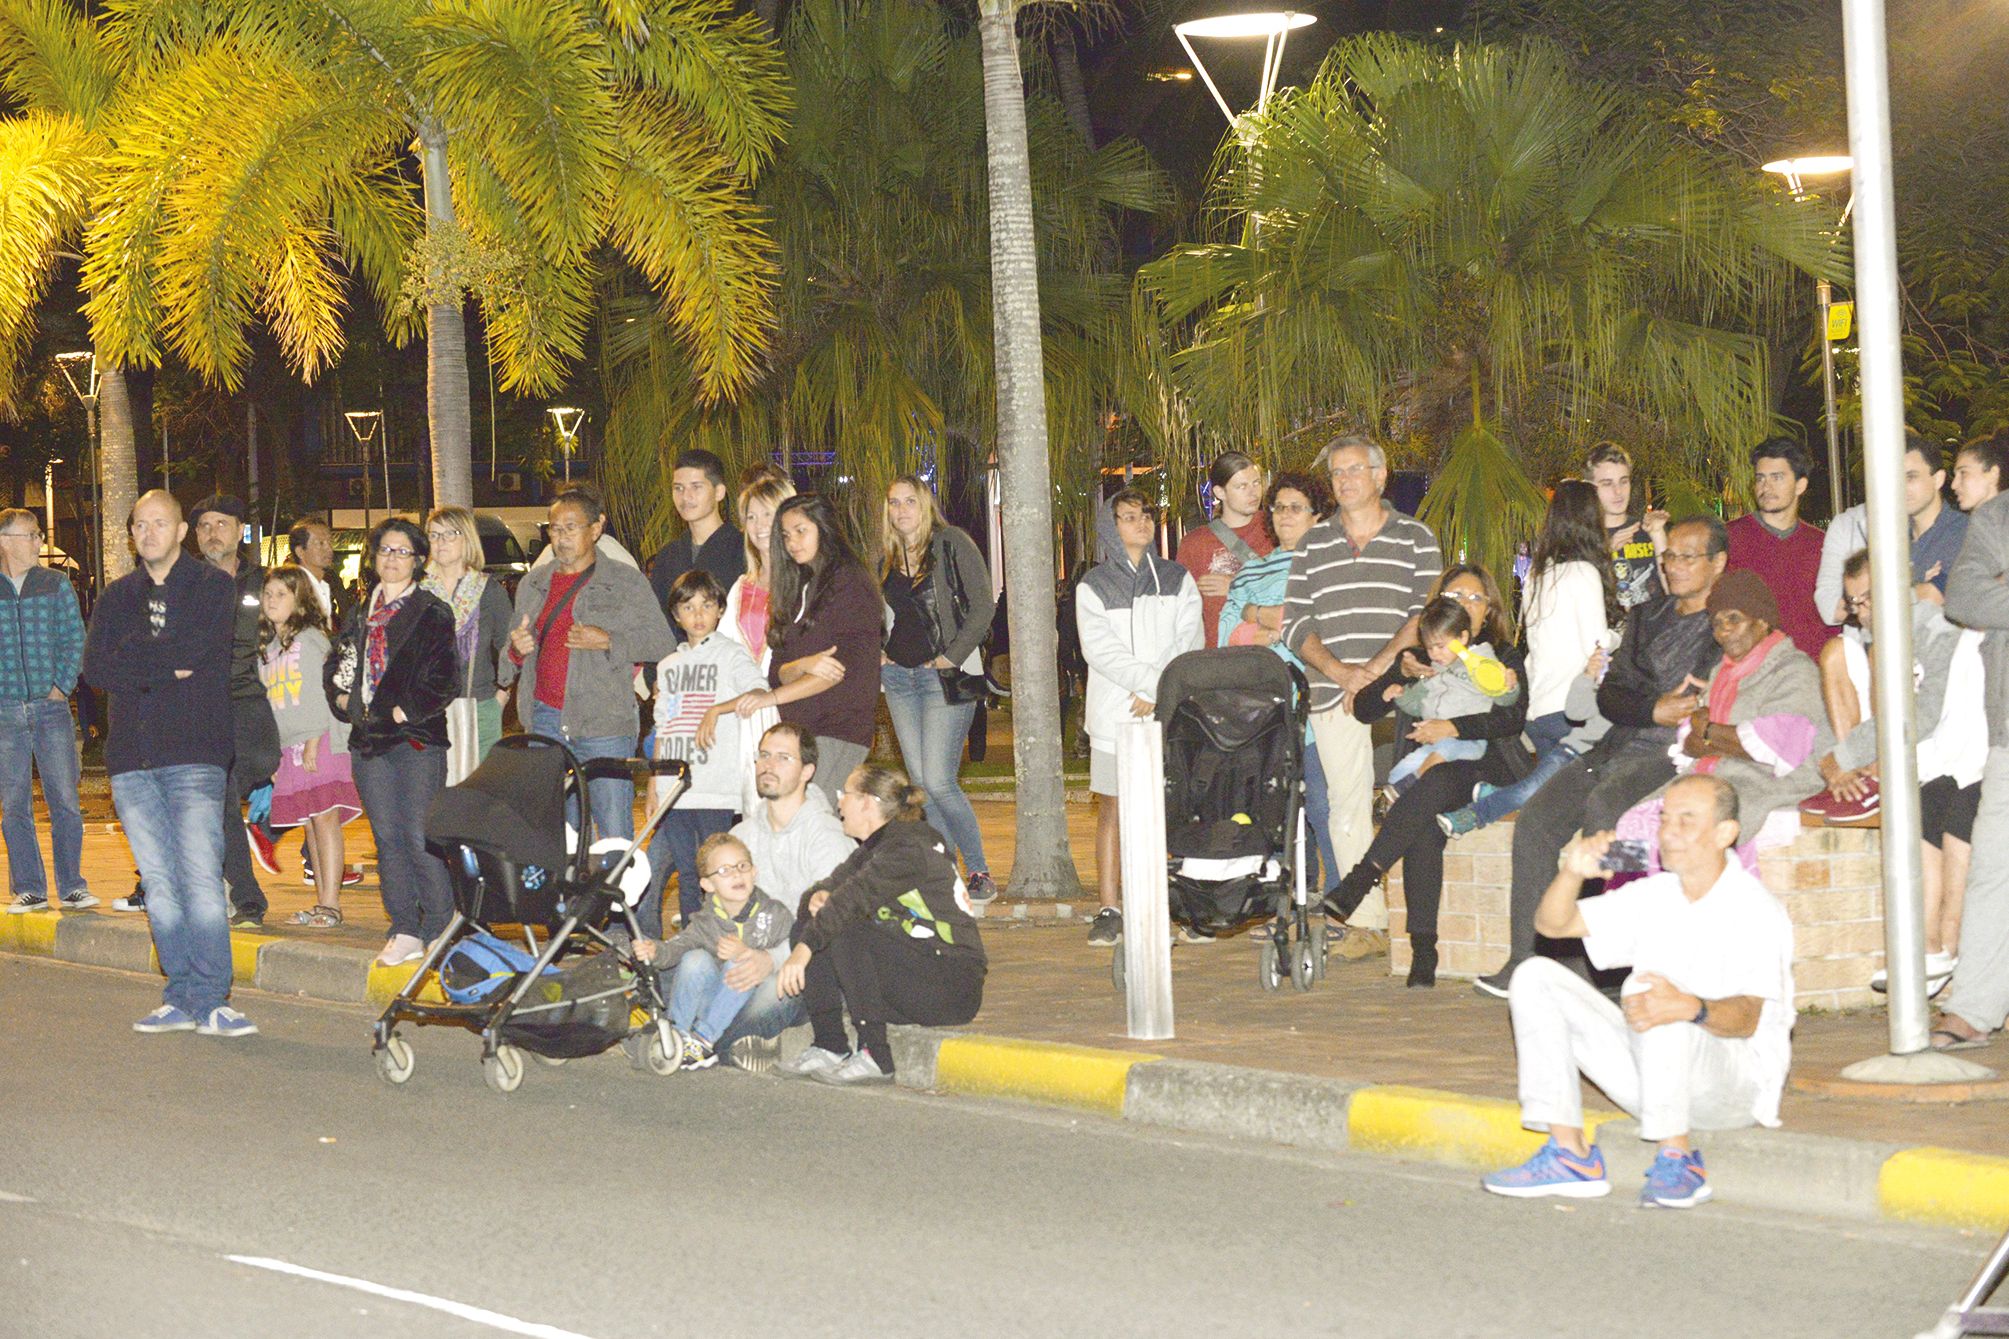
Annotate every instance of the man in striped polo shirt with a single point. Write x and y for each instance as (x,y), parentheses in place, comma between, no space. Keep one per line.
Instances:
(1356,588)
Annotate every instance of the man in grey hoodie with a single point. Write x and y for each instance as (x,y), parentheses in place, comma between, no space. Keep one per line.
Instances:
(794,840)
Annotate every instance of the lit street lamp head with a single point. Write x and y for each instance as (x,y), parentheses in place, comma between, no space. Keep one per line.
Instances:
(1274,27)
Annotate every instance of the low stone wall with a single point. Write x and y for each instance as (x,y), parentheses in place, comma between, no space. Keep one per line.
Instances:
(1830,880)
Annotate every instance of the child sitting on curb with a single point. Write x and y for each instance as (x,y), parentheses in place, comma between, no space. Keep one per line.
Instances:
(702,1006)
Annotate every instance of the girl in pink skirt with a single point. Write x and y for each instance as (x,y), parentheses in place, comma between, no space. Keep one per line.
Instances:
(313,788)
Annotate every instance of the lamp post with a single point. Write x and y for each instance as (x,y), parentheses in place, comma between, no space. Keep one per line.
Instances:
(364,423)
(49,497)
(85,363)
(1796,171)
(568,421)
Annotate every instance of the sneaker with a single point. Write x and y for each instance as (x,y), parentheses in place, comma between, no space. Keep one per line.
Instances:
(135,901)
(1194,934)
(858,1068)
(262,849)
(982,889)
(1553,1170)
(28,902)
(755,1055)
(1675,1182)
(810,1063)
(1844,813)
(1938,971)
(697,1052)
(401,949)
(247,920)
(77,901)
(1817,804)
(1107,927)
(167,1018)
(1496,984)
(352,876)
(1482,790)
(1459,821)
(224,1021)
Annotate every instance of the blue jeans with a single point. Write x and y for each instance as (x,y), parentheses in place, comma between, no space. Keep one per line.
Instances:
(700,1000)
(931,732)
(1551,757)
(675,846)
(397,787)
(613,799)
(40,734)
(1318,818)
(1403,775)
(169,815)
(765,1013)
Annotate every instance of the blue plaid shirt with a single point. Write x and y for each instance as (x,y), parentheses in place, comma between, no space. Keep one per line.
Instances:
(41,636)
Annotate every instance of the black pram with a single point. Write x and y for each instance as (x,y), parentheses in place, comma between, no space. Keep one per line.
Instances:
(515,862)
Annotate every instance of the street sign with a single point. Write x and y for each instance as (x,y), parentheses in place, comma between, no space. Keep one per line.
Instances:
(1841,320)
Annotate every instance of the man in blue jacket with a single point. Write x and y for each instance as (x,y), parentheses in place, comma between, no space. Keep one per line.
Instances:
(41,649)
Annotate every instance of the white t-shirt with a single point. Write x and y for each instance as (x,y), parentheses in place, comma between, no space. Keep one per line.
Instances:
(1735,940)
(1563,611)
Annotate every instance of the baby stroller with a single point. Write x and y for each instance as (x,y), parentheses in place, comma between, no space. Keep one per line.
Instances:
(514,862)
(1234,722)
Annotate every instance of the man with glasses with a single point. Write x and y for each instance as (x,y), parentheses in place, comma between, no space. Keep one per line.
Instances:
(1653,683)
(794,839)
(1361,579)
(41,650)
(159,644)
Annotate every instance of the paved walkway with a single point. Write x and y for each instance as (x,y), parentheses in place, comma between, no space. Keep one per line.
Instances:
(1359,1024)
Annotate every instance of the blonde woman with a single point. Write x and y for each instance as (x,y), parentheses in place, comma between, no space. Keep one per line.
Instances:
(938,611)
(746,605)
(481,616)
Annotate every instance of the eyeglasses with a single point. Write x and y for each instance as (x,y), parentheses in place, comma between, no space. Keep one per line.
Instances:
(1857,603)
(1677,556)
(765,756)
(443,536)
(1289,509)
(1349,471)
(1467,596)
(738,867)
(20,534)
(386,551)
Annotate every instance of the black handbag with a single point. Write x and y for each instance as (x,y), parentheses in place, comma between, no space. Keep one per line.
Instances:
(958,686)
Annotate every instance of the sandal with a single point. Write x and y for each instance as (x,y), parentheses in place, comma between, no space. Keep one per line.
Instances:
(1955,1041)
(319,917)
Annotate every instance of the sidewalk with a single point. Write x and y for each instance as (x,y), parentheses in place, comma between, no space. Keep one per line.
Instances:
(1359,1026)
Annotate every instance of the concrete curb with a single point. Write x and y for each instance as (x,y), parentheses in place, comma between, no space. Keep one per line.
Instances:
(1774,1169)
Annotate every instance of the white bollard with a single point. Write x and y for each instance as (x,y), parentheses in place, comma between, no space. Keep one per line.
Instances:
(1147,924)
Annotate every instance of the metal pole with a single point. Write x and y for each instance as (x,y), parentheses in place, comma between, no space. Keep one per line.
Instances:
(49,500)
(1837,491)
(1878,329)
(95,531)
(1147,920)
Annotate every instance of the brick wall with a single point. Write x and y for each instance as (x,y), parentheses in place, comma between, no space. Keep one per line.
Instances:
(1830,880)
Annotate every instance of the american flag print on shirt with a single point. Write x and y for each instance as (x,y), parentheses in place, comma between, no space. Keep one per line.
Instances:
(688,693)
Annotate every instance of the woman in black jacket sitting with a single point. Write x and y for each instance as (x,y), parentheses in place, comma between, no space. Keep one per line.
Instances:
(1410,832)
(391,676)
(889,934)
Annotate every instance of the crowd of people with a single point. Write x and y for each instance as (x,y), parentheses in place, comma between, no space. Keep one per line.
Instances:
(1660,698)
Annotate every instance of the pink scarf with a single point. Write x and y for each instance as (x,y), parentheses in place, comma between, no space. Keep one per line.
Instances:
(1724,683)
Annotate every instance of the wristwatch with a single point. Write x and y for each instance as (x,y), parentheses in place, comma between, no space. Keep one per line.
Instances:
(1701,1013)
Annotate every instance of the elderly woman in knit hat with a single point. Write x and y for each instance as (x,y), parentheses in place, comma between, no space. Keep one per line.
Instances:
(1761,725)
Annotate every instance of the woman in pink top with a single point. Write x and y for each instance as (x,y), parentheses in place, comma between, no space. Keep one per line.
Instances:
(746,604)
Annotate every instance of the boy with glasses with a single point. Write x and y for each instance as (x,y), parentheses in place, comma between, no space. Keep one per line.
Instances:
(41,651)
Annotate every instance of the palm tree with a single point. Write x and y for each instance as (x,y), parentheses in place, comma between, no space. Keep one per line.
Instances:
(1492,263)
(440,151)
(66,79)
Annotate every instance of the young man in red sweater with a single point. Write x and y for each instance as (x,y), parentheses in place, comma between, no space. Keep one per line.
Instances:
(1775,543)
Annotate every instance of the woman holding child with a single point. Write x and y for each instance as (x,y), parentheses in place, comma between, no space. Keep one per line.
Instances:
(481,620)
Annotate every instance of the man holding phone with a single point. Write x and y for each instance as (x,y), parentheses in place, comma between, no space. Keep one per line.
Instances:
(1703,1038)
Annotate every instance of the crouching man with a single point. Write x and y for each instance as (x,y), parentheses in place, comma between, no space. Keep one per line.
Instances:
(1703,1037)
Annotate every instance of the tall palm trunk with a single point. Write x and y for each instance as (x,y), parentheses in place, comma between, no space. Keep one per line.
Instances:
(118,471)
(448,412)
(1044,866)
(1073,89)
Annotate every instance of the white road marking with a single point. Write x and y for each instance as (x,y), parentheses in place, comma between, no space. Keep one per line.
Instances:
(493,1319)
(9,1197)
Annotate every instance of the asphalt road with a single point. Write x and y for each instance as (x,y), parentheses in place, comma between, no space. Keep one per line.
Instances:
(596,1201)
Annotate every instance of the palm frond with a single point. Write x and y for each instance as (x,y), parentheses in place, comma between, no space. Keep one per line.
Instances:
(721,67)
(48,168)
(53,60)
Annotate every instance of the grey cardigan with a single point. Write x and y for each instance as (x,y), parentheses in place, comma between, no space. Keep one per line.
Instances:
(599,685)
(956,550)
(1976,597)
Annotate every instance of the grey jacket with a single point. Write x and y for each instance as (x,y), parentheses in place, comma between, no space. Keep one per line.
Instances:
(958,560)
(1933,642)
(789,862)
(1977,598)
(599,685)
(762,923)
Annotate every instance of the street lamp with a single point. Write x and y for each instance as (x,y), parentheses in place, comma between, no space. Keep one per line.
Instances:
(1797,171)
(364,423)
(84,363)
(49,498)
(568,421)
(1274,28)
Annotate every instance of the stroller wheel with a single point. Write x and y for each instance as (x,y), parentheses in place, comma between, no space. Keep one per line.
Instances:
(395,1061)
(650,1049)
(1318,937)
(1304,965)
(1269,967)
(503,1071)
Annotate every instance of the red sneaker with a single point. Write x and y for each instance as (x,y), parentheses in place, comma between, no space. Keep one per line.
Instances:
(1854,813)
(262,849)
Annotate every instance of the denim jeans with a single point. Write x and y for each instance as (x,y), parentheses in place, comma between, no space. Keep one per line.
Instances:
(613,799)
(675,846)
(1318,821)
(169,815)
(1546,732)
(700,1000)
(397,788)
(40,734)
(931,731)
(765,1014)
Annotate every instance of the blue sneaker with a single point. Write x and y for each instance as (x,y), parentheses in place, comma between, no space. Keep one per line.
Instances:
(167,1018)
(1459,821)
(224,1021)
(1553,1170)
(1675,1182)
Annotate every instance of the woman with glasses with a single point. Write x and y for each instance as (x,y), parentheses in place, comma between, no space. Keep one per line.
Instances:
(391,676)
(887,936)
(1410,832)
(481,615)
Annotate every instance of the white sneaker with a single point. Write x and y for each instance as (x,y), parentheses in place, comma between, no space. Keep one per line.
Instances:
(401,949)
(809,1064)
(1938,971)
(859,1068)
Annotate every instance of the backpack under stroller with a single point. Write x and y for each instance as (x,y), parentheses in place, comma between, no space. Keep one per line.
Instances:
(515,862)
(1234,723)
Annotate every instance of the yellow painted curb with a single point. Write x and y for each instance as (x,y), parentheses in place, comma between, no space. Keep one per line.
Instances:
(1942,1185)
(1050,1073)
(1437,1126)
(30,932)
(385,982)
(244,955)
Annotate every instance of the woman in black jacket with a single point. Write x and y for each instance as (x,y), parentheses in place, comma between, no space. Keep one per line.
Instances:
(889,934)
(391,677)
(1410,832)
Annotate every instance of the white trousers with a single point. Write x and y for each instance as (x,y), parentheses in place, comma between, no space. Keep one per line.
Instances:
(1346,752)
(1675,1078)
